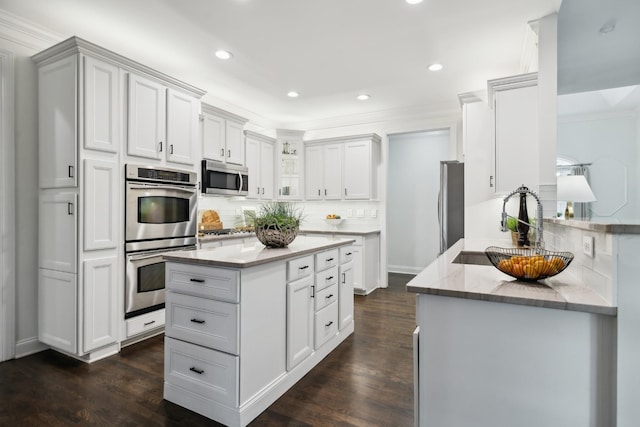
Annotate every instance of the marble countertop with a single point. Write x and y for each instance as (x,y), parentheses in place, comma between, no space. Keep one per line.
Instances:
(487,283)
(626,227)
(249,255)
(217,237)
(329,230)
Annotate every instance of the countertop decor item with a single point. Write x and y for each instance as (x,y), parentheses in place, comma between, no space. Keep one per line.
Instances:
(574,188)
(333,220)
(277,223)
(528,264)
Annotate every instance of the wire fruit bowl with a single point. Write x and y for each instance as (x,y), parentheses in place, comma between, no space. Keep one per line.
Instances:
(528,264)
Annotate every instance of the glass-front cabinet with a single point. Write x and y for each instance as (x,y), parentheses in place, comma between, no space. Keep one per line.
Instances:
(290,163)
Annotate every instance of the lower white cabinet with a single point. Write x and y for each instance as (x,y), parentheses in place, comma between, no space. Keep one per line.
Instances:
(300,313)
(99,308)
(326,324)
(145,323)
(345,294)
(58,327)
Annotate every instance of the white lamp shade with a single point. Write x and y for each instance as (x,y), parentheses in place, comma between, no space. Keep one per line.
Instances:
(574,188)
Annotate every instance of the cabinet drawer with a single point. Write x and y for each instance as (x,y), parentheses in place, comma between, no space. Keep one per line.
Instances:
(208,373)
(327,259)
(325,297)
(299,267)
(326,278)
(145,322)
(346,254)
(208,282)
(326,324)
(206,322)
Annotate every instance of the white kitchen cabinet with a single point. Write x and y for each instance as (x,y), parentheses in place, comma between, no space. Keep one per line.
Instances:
(515,108)
(162,122)
(100,303)
(89,98)
(326,298)
(289,164)
(323,171)
(360,168)
(182,127)
(58,123)
(146,126)
(259,151)
(222,135)
(345,290)
(300,312)
(58,223)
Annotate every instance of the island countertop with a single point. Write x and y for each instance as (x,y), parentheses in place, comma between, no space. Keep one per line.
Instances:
(481,282)
(249,255)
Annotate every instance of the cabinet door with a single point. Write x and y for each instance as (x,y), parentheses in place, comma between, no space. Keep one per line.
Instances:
(516,127)
(101,207)
(100,308)
(57,310)
(57,123)
(358,272)
(213,131)
(289,163)
(299,321)
(146,118)
(58,227)
(234,143)
(345,295)
(314,186)
(332,171)
(101,106)
(479,171)
(253,164)
(267,170)
(357,170)
(182,127)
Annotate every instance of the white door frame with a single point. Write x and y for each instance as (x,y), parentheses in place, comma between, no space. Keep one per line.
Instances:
(7,208)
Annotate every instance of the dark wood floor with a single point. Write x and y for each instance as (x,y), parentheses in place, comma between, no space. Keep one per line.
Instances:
(366,381)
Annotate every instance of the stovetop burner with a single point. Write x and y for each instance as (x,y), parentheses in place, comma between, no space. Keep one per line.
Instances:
(223,232)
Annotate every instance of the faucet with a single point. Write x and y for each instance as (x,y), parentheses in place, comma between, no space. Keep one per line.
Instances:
(539,244)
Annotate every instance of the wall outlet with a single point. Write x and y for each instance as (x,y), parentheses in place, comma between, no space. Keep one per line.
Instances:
(349,213)
(374,213)
(587,246)
(359,213)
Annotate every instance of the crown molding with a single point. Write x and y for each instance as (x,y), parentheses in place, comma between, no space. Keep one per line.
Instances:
(471,97)
(509,83)
(207,108)
(258,136)
(367,136)
(25,33)
(290,133)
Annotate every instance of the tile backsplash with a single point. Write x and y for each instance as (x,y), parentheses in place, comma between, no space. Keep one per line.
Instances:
(356,215)
(595,273)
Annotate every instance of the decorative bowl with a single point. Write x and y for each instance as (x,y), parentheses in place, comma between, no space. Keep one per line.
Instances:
(276,237)
(334,222)
(528,264)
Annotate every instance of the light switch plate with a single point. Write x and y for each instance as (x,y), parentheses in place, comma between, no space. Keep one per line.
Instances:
(587,246)
(359,213)
(374,213)
(349,213)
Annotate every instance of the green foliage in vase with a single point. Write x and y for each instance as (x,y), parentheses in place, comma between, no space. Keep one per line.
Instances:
(512,223)
(277,215)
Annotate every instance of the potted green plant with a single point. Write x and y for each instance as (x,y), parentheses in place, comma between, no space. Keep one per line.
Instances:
(276,223)
(512,225)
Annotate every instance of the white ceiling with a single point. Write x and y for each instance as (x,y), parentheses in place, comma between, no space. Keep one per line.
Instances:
(327,50)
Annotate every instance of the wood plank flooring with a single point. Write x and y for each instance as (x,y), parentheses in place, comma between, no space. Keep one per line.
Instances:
(366,381)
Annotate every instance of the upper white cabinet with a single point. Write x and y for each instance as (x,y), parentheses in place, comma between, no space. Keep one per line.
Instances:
(289,164)
(222,135)
(323,171)
(515,104)
(101,105)
(58,247)
(342,168)
(259,153)
(162,122)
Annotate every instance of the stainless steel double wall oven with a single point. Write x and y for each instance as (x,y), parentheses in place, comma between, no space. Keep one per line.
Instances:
(160,216)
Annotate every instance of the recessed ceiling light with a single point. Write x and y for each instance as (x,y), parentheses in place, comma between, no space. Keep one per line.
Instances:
(607,28)
(293,94)
(414,1)
(435,67)
(363,97)
(223,54)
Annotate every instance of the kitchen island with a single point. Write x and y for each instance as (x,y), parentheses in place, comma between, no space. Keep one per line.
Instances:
(245,322)
(493,351)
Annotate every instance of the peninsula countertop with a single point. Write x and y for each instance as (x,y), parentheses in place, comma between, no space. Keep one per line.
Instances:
(487,283)
(255,253)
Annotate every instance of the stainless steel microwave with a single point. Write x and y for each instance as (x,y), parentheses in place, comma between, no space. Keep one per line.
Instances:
(224,179)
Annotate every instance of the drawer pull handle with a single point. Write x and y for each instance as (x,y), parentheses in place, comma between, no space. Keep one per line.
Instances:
(197,280)
(196,370)
(328,324)
(349,253)
(150,323)
(313,291)
(304,267)
(329,296)
(329,259)
(329,278)
(344,278)
(197,321)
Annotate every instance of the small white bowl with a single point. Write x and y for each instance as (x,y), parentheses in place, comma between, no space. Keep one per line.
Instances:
(334,222)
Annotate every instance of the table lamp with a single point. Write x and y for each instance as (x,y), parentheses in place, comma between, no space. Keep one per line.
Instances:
(574,188)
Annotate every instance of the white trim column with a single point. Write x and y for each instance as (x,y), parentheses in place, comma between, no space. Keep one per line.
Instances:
(7,208)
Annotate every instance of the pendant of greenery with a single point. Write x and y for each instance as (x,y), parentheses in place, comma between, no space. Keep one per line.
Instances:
(277,223)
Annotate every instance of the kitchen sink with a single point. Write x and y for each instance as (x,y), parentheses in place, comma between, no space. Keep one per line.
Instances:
(469,257)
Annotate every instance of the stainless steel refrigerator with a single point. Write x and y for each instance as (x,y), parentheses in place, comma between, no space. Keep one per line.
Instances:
(451,203)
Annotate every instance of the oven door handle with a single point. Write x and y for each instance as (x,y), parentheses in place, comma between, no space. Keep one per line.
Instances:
(163,187)
(143,257)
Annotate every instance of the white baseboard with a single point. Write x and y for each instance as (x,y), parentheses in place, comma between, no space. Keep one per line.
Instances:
(29,346)
(404,269)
